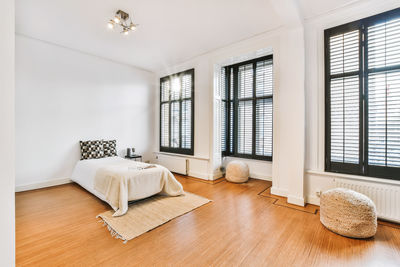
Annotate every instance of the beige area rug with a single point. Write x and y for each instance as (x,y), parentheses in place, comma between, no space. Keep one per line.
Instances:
(147,214)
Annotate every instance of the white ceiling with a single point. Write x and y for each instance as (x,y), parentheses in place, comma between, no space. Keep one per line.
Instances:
(170,31)
(313,8)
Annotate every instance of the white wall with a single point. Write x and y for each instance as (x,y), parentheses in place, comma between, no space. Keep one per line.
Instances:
(259,169)
(202,110)
(298,166)
(7,155)
(63,96)
(316,179)
(287,167)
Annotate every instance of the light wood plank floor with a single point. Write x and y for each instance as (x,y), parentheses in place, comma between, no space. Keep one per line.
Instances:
(244,225)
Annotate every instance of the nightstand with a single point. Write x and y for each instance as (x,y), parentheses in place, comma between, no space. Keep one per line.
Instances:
(134,157)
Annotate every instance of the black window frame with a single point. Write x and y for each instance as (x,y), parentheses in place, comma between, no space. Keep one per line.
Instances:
(231,106)
(363,168)
(178,150)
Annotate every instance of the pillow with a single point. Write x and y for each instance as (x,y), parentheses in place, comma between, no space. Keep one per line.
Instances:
(110,148)
(92,149)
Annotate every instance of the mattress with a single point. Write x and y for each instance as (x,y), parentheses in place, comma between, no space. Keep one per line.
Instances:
(85,172)
(117,181)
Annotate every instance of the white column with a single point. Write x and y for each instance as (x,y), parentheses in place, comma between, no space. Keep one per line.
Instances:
(289,118)
(215,151)
(7,133)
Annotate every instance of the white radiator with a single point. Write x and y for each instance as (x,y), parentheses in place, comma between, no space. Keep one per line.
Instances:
(174,164)
(386,197)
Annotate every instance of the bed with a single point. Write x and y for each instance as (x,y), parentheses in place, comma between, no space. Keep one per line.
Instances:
(117,181)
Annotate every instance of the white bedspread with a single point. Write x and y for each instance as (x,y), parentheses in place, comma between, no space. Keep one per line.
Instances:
(134,182)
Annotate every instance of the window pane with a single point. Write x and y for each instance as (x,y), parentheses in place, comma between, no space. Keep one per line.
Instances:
(165,88)
(245,124)
(186,86)
(393,119)
(165,125)
(264,127)
(248,122)
(177,112)
(222,84)
(223,125)
(264,78)
(186,123)
(384,119)
(231,86)
(344,52)
(384,44)
(345,99)
(364,92)
(231,106)
(175,88)
(175,124)
(245,82)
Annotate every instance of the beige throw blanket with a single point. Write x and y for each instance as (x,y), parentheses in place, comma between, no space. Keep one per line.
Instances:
(129,180)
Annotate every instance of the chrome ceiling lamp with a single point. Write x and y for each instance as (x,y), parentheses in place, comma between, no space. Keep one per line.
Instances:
(122,19)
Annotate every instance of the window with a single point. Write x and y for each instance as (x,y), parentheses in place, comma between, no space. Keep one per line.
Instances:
(247,109)
(362,92)
(176,113)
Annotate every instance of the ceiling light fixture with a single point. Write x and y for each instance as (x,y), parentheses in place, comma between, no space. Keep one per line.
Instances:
(122,19)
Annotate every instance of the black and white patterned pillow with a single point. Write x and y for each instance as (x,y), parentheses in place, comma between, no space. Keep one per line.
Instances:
(92,149)
(110,148)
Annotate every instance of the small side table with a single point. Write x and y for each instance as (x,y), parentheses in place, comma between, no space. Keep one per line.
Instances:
(134,157)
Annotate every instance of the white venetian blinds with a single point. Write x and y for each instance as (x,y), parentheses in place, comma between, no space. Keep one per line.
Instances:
(384,94)
(263,109)
(165,89)
(245,109)
(345,97)
(224,122)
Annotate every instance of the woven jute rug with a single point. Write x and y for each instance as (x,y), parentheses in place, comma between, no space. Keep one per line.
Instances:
(147,214)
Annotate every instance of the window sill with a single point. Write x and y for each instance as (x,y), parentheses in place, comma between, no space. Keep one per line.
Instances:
(248,159)
(180,155)
(354,177)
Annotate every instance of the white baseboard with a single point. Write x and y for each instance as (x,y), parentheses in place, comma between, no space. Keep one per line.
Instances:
(312,200)
(199,175)
(279,192)
(38,185)
(216,175)
(296,200)
(260,176)
(253,175)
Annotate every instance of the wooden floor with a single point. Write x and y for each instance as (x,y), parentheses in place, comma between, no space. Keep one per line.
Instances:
(244,225)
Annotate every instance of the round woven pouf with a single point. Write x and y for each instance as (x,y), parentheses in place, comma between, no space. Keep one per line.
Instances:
(348,213)
(237,172)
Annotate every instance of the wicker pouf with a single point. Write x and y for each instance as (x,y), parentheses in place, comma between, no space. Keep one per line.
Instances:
(237,172)
(348,213)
